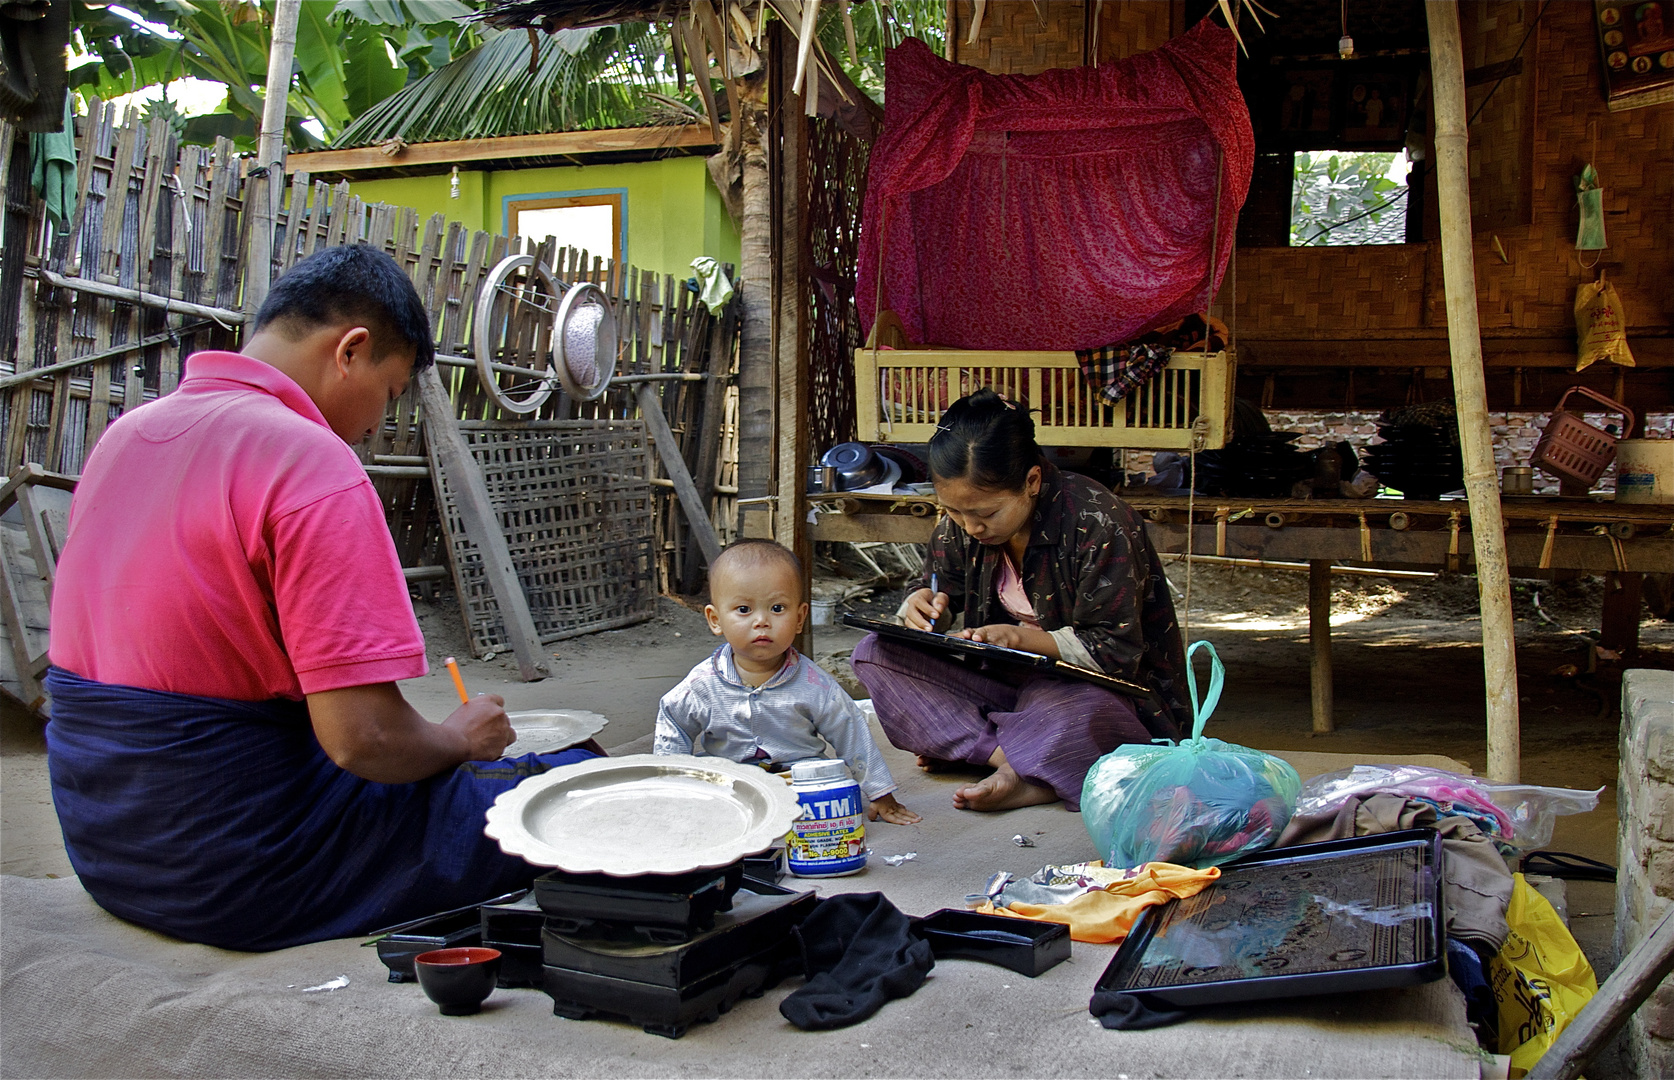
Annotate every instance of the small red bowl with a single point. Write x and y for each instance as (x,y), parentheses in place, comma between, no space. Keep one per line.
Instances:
(458,980)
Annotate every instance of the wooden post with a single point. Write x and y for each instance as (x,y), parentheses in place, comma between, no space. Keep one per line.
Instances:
(1499,656)
(1619,629)
(1319,637)
(695,506)
(482,524)
(268,187)
(789,150)
(756,281)
(718,361)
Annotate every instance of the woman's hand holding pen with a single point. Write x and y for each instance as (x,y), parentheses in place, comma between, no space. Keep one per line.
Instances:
(924,608)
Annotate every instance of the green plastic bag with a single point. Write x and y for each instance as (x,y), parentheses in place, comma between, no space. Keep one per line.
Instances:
(1200,803)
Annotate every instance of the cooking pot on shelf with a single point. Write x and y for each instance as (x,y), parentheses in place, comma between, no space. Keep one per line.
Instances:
(859,466)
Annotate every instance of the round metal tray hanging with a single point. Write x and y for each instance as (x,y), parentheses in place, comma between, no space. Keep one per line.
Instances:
(584,346)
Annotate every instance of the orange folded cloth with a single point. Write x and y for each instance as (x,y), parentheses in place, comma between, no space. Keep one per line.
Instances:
(1107,914)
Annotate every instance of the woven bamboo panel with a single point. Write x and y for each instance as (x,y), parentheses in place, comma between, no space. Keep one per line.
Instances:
(1334,288)
(836,171)
(1020,37)
(1126,27)
(574,500)
(1501,151)
(1360,291)
(1635,159)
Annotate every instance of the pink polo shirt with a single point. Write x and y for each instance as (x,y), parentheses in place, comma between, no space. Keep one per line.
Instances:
(224,542)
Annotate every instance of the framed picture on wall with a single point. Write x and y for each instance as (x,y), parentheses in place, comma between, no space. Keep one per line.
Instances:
(1353,105)
(1303,104)
(1372,107)
(1636,51)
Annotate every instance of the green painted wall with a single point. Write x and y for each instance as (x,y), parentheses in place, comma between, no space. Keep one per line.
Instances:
(674,214)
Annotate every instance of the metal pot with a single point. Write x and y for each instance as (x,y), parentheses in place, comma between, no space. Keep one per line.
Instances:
(856,464)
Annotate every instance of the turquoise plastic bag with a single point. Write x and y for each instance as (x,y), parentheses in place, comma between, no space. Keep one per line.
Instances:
(1200,803)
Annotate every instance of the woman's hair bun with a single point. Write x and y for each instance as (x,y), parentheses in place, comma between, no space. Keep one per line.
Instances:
(986,439)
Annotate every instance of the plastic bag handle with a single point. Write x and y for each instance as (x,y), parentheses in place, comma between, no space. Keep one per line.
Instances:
(1217,675)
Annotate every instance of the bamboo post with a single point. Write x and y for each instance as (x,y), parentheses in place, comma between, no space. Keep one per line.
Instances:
(1319,637)
(270,155)
(1499,657)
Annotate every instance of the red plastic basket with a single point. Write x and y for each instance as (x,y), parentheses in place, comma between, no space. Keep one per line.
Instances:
(1574,450)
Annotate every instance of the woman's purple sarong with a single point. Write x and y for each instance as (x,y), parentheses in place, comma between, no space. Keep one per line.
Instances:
(1052,729)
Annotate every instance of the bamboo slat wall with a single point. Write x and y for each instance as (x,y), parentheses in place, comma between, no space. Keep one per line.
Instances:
(167,221)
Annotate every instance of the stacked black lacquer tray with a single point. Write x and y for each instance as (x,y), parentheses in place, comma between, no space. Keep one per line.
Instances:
(1419,461)
(1263,466)
(664,951)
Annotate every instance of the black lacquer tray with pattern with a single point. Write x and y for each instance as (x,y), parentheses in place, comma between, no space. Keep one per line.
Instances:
(1358,914)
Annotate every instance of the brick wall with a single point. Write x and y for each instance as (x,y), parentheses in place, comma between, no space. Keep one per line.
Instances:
(1515,435)
(1645,851)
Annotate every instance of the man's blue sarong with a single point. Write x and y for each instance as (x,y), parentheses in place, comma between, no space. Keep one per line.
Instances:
(223,822)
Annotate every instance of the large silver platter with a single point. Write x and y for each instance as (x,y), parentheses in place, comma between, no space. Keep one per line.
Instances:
(542,731)
(644,814)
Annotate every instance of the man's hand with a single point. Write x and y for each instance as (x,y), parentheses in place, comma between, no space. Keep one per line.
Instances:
(484,725)
(890,809)
(1007,636)
(924,608)
(372,732)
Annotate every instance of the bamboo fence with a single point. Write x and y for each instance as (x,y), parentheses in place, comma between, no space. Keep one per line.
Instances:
(150,269)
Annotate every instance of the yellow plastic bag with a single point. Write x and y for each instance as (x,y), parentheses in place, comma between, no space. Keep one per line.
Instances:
(1600,325)
(1540,978)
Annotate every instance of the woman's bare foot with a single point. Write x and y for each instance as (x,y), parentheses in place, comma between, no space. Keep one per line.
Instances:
(935,764)
(1004,790)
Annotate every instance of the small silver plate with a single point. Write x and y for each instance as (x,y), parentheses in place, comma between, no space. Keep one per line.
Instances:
(544,731)
(644,814)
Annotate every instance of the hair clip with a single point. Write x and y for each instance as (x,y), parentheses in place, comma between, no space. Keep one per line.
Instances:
(940,429)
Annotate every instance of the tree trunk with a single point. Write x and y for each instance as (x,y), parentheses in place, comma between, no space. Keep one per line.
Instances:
(755,349)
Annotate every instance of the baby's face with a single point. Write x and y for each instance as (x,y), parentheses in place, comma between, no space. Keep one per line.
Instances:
(758,609)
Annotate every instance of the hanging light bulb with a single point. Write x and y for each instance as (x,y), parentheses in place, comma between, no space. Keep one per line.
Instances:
(453,184)
(1345,44)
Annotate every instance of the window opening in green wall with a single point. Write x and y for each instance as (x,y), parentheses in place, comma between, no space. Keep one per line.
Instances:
(590,223)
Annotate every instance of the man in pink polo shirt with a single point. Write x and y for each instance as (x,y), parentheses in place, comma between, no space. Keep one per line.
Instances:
(231,758)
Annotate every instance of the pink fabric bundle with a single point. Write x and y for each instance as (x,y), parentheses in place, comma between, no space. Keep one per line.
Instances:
(1066,210)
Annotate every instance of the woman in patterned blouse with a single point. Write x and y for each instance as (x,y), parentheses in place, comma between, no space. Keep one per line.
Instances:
(1039,560)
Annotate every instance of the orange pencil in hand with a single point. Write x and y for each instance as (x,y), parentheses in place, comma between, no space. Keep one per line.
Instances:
(458,683)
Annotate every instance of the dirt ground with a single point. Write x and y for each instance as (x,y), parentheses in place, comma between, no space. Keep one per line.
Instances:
(1406,653)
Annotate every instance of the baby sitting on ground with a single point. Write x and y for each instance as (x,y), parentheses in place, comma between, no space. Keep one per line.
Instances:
(757,700)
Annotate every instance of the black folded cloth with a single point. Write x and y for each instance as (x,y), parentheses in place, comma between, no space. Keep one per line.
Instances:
(858,952)
(1124,1012)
